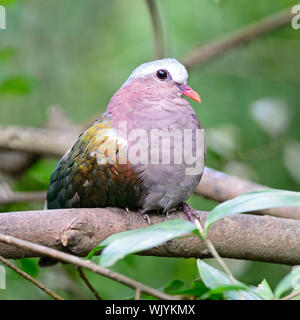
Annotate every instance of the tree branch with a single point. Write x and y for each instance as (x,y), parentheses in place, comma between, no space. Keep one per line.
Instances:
(157,28)
(89,285)
(213,185)
(243,36)
(77,231)
(87,264)
(19,197)
(291,296)
(30,279)
(220,186)
(36,140)
(16,162)
(8,196)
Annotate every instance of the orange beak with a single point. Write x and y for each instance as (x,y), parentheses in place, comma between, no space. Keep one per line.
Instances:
(189,92)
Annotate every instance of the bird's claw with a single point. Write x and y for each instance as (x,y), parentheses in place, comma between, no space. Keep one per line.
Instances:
(170,211)
(190,212)
(145,216)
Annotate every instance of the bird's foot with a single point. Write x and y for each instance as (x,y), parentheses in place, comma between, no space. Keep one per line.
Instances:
(145,216)
(170,211)
(189,211)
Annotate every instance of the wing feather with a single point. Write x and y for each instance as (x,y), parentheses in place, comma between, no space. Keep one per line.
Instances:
(89,175)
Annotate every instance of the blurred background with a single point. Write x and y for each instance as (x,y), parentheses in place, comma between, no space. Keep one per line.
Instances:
(76,54)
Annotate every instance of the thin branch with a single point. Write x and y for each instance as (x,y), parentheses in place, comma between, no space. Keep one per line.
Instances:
(87,282)
(137,294)
(214,252)
(16,162)
(220,187)
(77,231)
(8,196)
(243,36)
(30,279)
(87,264)
(291,296)
(157,28)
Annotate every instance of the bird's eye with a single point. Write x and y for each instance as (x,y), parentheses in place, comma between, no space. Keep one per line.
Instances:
(162,74)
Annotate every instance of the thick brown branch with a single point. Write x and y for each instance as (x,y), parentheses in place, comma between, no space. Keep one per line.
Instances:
(36,140)
(16,162)
(210,51)
(214,184)
(77,231)
(19,197)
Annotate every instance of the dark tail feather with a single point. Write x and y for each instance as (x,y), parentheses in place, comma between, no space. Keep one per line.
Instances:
(47,262)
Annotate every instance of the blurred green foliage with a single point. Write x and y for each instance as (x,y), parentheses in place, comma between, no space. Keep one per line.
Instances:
(17,85)
(77,54)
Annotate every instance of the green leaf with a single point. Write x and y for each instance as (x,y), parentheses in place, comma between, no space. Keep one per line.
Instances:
(197,289)
(264,290)
(94,251)
(253,201)
(7,53)
(6,2)
(29,265)
(144,296)
(221,290)
(17,85)
(174,286)
(124,243)
(289,282)
(37,176)
(214,278)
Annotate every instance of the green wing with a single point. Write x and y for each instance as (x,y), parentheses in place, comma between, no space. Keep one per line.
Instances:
(89,175)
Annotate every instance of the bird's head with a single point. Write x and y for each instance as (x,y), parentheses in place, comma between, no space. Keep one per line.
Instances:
(165,72)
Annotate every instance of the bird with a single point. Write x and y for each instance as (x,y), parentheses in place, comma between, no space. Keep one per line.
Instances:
(123,159)
(107,168)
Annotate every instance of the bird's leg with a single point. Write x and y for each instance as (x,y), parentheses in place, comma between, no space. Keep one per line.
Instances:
(190,212)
